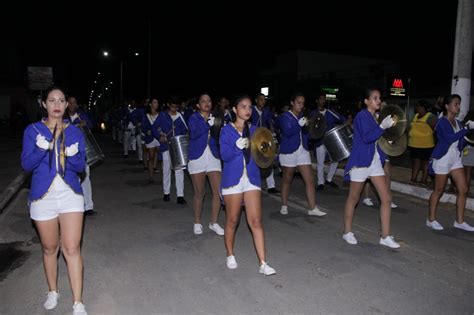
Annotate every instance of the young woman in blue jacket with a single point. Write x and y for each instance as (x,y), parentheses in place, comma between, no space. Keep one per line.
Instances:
(54,151)
(204,159)
(241,183)
(366,161)
(446,160)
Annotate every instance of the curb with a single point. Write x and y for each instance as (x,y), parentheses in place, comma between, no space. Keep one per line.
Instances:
(11,189)
(416,191)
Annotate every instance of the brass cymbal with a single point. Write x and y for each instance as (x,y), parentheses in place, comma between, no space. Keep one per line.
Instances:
(393,148)
(398,115)
(317,126)
(263,147)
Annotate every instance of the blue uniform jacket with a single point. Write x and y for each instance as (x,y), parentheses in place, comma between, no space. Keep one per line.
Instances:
(166,124)
(291,133)
(264,120)
(366,134)
(36,160)
(234,160)
(446,136)
(332,119)
(82,117)
(150,130)
(137,115)
(199,137)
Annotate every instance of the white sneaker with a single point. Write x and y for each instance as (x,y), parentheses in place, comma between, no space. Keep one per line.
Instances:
(349,238)
(51,300)
(79,309)
(197,228)
(388,241)
(368,202)
(316,212)
(284,210)
(463,226)
(434,225)
(216,228)
(393,206)
(231,262)
(266,269)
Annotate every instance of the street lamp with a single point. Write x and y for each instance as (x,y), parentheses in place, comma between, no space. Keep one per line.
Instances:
(106,54)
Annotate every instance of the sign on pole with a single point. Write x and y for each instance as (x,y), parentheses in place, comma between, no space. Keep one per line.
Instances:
(40,78)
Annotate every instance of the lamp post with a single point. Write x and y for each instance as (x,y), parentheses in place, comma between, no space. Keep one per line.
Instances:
(106,54)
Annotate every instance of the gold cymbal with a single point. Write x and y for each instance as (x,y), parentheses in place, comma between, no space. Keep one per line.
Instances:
(263,147)
(398,115)
(393,148)
(317,126)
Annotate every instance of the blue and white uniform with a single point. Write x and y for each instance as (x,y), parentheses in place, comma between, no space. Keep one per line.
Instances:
(237,175)
(149,129)
(294,141)
(203,152)
(366,159)
(55,186)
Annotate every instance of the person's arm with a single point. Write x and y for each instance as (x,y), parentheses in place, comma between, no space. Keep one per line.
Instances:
(445,132)
(228,148)
(77,162)
(31,155)
(370,130)
(287,128)
(196,127)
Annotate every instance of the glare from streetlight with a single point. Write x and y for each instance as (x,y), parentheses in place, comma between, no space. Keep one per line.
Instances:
(98,73)
(136,54)
(106,53)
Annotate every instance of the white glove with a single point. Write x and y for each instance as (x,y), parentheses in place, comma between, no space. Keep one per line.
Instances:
(210,121)
(242,143)
(470,124)
(72,149)
(303,121)
(42,143)
(387,122)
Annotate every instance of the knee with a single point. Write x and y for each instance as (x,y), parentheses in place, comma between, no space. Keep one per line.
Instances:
(462,190)
(71,251)
(231,222)
(50,250)
(256,223)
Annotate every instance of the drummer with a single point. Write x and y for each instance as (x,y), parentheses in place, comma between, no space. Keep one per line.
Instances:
(294,154)
(263,117)
(366,161)
(171,123)
(80,119)
(204,159)
(332,119)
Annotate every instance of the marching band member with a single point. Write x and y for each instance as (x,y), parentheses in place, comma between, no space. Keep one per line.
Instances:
(137,118)
(332,119)
(446,160)
(294,154)
(241,183)
(54,151)
(204,160)
(263,117)
(171,123)
(129,141)
(366,161)
(81,119)
(149,126)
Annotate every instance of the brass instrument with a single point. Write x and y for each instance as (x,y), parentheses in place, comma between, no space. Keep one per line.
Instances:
(263,147)
(398,115)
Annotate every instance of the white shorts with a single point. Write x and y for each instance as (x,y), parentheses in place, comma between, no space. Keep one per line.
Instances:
(153,144)
(360,174)
(299,157)
(450,161)
(205,163)
(59,199)
(243,186)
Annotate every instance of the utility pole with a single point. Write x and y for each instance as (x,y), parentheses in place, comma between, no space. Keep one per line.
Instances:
(148,81)
(461,80)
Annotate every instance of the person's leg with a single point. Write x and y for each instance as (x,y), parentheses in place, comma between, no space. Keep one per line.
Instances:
(179,178)
(355,189)
(215,181)
(288,173)
(199,181)
(424,171)
(320,157)
(415,169)
(139,147)
(49,236)
(87,190)
(438,191)
(166,173)
(332,171)
(308,178)
(270,180)
(253,212)
(152,157)
(385,196)
(71,234)
(126,142)
(233,204)
(459,179)
(467,173)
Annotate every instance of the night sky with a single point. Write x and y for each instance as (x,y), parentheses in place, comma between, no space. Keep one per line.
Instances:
(220,49)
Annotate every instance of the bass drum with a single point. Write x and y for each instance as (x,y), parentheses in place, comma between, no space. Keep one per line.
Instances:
(93,152)
(338,142)
(178,146)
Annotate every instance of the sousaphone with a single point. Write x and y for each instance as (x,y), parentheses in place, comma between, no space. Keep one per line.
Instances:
(263,147)
(398,115)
